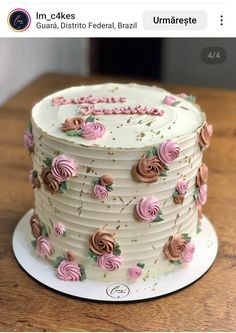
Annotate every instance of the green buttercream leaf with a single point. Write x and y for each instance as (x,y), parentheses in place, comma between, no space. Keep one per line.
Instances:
(73,133)
(151,152)
(117,251)
(64,234)
(109,188)
(199,229)
(92,255)
(34,174)
(34,243)
(57,261)
(191,99)
(63,187)
(166,168)
(175,103)
(187,237)
(176,262)
(158,218)
(48,162)
(163,174)
(82,272)
(30,126)
(175,194)
(196,193)
(90,119)
(44,230)
(141,265)
(96,181)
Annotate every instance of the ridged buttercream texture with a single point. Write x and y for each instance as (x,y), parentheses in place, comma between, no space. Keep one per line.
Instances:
(127,138)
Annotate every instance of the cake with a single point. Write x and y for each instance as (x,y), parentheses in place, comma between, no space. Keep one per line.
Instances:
(118,181)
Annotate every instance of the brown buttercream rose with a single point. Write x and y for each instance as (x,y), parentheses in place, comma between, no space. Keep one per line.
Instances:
(147,170)
(71,256)
(202,175)
(205,136)
(179,199)
(35,226)
(72,124)
(36,182)
(50,183)
(174,247)
(102,242)
(106,180)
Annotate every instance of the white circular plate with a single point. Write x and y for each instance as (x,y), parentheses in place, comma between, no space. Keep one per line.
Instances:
(204,256)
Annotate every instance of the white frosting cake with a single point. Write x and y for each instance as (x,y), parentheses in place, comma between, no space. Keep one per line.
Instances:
(118,180)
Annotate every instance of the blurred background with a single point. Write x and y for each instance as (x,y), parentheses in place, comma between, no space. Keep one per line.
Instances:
(176,61)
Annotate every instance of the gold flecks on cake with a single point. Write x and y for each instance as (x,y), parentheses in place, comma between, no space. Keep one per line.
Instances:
(164,203)
(177,216)
(179,228)
(88,169)
(51,222)
(156,260)
(49,201)
(121,200)
(126,205)
(79,209)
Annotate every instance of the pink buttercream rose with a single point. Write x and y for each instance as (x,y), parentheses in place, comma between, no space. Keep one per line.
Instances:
(100,191)
(135,272)
(187,254)
(92,130)
(169,100)
(59,229)
(68,271)
(63,167)
(202,195)
(109,262)
(29,141)
(44,246)
(147,209)
(182,186)
(168,151)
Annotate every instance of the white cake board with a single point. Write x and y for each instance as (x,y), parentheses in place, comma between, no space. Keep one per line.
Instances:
(204,256)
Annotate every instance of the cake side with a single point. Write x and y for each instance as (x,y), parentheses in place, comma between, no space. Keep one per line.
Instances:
(72,218)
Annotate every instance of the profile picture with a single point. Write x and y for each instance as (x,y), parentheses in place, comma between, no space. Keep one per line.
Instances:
(19,20)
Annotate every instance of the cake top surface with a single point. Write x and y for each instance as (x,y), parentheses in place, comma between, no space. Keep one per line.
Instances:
(132,115)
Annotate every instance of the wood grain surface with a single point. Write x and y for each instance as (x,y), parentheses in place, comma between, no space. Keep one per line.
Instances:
(207,305)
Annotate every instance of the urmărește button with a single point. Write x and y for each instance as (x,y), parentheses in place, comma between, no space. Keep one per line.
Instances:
(174,20)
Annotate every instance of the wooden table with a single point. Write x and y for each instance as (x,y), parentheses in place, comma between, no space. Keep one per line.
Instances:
(207,305)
